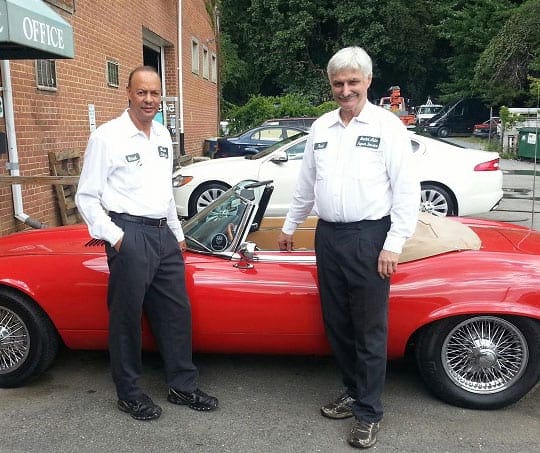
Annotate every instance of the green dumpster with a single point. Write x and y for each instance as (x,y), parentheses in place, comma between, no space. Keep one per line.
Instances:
(529,142)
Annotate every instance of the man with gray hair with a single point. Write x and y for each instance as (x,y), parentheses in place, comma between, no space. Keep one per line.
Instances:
(358,176)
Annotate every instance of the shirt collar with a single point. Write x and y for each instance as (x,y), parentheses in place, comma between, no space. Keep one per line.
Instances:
(133,130)
(365,116)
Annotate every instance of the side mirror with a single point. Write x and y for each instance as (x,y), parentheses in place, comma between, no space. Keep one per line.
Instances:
(247,251)
(280,156)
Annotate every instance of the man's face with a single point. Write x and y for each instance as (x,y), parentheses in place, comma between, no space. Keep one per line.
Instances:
(144,94)
(349,89)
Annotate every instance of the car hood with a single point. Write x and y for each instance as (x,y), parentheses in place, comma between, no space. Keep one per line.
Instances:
(220,168)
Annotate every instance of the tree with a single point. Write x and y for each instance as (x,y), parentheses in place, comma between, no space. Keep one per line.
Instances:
(428,47)
(506,70)
(289,42)
(467,27)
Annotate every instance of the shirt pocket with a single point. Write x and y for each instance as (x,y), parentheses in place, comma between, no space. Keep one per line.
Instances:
(323,162)
(365,164)
(130,171)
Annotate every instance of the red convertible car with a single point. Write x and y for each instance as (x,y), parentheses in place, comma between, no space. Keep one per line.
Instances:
(465,300)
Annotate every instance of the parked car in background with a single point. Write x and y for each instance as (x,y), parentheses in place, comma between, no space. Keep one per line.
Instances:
(253,140)
(303,122)
(455,180)
(427,111)
(210,145)
(489,128)
(458,118)
(465,301)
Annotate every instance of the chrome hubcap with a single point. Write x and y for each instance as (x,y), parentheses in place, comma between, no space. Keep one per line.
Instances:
(207,197)
(433,202)
(14,341)
(485,355)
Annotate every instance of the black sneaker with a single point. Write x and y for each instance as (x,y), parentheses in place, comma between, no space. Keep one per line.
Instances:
(340,408)
(197,400)
(143,408)
(363,434)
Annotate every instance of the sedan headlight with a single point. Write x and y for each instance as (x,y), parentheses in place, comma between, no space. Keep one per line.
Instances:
(181,180)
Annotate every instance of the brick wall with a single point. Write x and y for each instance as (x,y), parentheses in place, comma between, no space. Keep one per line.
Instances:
(58,120)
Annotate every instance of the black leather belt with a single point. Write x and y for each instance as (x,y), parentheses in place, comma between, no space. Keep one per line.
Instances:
(139,219)
(353,224)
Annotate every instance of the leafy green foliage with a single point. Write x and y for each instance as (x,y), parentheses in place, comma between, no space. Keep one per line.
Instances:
(261,108)
(447,49)
(505,71)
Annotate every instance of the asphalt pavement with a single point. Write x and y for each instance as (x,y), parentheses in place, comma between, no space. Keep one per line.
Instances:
(267,405)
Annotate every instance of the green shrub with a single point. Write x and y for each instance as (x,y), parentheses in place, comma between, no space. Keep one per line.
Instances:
(261,108)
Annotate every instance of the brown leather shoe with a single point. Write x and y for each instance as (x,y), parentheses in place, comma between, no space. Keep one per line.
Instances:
(340,408)
(363,434)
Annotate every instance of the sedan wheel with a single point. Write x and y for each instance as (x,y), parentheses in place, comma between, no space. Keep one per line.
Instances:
(436,200)
(481,362)
(443,132)
(204,195)
(28,340)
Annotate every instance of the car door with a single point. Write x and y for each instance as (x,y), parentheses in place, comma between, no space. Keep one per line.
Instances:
(284,174)
(268,305)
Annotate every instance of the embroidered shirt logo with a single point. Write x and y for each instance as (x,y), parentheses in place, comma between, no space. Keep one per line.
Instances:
(366,141)
(133,157)
(163,151)
(320,145)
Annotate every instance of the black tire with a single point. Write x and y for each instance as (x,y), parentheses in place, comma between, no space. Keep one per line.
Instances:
(28,340)
(205,194)
(436,200)
(480,362)
(443,132)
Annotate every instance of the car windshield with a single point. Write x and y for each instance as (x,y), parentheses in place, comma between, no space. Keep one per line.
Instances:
(219,227)
(275,146)
(429,109)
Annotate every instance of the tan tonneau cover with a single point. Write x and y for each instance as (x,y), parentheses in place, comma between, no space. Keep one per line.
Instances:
(435,235)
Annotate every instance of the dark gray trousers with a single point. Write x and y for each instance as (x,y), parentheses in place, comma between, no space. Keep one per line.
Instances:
(148,274)
(354,300)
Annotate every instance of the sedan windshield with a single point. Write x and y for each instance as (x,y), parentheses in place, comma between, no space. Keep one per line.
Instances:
(275,146)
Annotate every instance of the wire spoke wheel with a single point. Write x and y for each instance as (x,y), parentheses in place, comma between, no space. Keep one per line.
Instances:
(485,354)
(14,341)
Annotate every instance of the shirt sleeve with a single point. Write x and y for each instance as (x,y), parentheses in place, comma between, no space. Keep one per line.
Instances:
(174,222)
(92,182)
(304,194)
(405,190)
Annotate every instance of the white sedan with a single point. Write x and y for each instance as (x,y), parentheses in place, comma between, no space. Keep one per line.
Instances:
(455,180)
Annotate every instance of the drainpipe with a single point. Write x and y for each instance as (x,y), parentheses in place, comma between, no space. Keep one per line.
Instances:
(13,163)
(180,116)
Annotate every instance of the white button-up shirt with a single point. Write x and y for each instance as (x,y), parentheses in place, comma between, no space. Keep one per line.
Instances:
(362,171)
(125,171)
